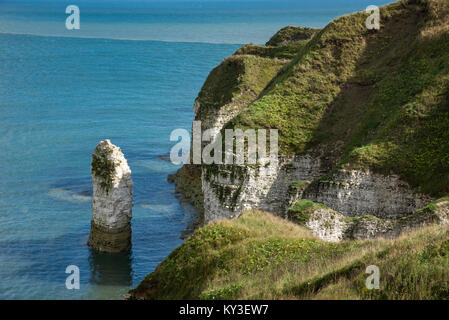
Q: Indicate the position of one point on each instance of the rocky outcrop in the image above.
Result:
(228, 190)
(188, 186)
(333, 226)
(361, 192)
(112, 200)
(239, 79)
(354, 204)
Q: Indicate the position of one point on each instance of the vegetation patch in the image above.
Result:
(103, 167)
(291, 34)
(300, 212)
(298, 186)
(226, 293)
(288, 51)
(237, 80)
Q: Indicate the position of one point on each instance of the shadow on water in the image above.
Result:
(44, 261)
(110, 269)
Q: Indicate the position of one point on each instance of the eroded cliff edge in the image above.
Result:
(363, 119)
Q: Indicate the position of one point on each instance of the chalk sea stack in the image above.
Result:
(112, 200)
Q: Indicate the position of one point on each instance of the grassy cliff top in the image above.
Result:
(240, 78)
(260, 256)
(367, 98)
(291, 34)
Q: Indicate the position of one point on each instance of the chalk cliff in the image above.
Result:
(112, 200)
(362, 118)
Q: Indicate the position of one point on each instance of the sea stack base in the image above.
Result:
(113, 241)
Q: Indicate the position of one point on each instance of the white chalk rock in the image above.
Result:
(112, 200)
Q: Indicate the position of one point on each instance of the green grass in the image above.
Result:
(238, 79)
(259, 256)
(284, 45)
(291, 34)
(300, 212)
(288, 51)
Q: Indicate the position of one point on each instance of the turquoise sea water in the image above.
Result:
(62, 92)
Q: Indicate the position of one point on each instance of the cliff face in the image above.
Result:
(333, 226)
(230, 189)
(363, 117)
(230, 88)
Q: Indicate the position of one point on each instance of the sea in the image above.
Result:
(130, 74)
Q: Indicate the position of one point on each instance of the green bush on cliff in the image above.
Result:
(291, 34)
(285, 44)
(288, 51)
(103, 167)
(300, 212)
